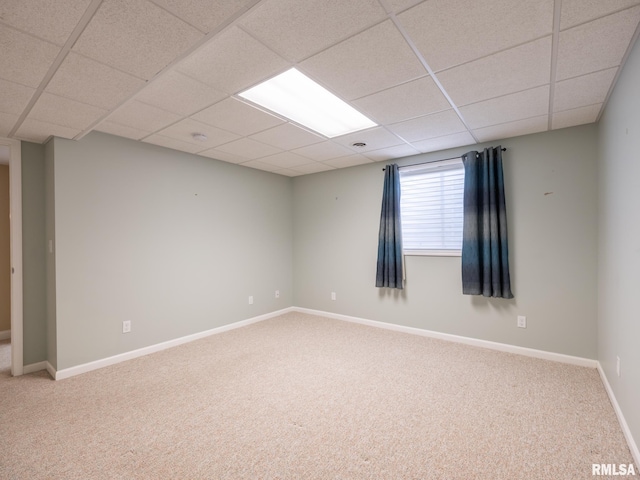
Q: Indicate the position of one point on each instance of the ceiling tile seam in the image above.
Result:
(555, 40)
(428, 68)
(515, 92)
(577, 108)
(511, 122)
(497, 52)
(177, 17)
(74, 100)
(633, 41)
(575, 77)
(265, 45)
(16, 83)
(386, 89)
(53, 68)
(586, 22)
(223, 27)
(99, 62)
(30, 34)
(318, 52)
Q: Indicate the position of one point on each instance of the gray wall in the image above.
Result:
(33, 254)
(619, 241)
(173, 242)
(551, 195)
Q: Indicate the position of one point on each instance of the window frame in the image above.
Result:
(433, 166)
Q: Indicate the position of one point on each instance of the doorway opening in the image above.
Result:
(10, 154)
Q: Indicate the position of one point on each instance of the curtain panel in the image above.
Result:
(485, 252)
(390, 260)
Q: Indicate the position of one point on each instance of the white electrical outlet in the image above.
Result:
(126, 326)
(251, 300)
(277, 293)
(333, 295)
(618, 365)
(522, 321)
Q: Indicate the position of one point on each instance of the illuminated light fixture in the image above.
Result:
(298, 98)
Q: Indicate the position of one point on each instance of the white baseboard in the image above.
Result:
(34, 367)
(503, 347)
(633, 446)
(5, 335)
(105, 362)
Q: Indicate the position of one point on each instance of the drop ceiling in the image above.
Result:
(432, 74)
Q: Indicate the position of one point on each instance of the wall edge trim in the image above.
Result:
(502, 347)
(633, 446)
(123, 357)
(34, 367)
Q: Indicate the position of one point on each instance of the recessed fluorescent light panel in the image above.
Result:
(298, 98)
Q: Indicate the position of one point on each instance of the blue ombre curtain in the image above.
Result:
(390, 270)
(485, 254)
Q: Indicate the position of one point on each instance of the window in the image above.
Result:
(431, 207)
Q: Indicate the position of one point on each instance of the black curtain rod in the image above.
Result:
(434, 161)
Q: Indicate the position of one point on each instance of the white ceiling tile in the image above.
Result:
(121, 130)
(185, 129)
(179, 94)
(247, 148)
(374, 60)
(23, 58)
(577, 116)
(288, 172)
(142, 116)
(38, 132)
(412, 99)
(513, 129)
(596, 45)
(284, 160)
(429, 126)
(232, 62)
(88, 81)
(517, 106)
(223, 156)
(447, 141)
(375, 139)
(7, 121)
(582, 91)
(452, 32)
(313, 167)
(135, 36)
(323, 151)
(575, 12)
(173, 143)
(391, 153)
(287, 137)
(528, 66)
(65, 112)
(259, 165)
(14, 97)
(397, 6)
(350, 161)
(237, 117)
(206, 15)
(52, 20)
(297, 29)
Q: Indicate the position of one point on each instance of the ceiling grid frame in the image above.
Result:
(338, 47)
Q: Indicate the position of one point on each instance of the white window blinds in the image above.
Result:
(432, 208)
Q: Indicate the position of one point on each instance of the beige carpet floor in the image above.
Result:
(305, 397)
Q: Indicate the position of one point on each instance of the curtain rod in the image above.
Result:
(435, 161)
